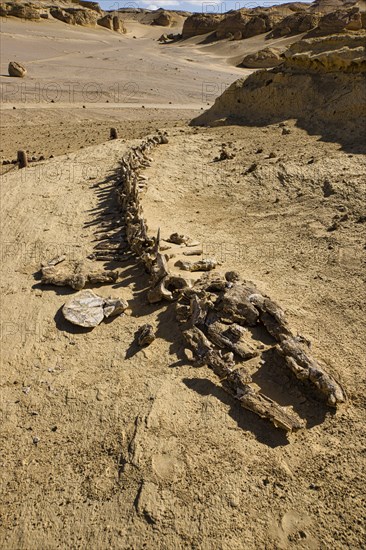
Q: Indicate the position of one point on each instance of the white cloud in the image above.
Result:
(200, 6)
(160, 4)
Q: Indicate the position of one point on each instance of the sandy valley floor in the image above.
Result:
(108, 446)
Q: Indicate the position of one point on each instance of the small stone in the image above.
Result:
(328, 189)
(176, 238)
(234, 501)
(286, 131)
(36, 440)
(145, 335)
(251, 168)
(189, 354)
(114, 306)
(16, 69)
(333, 227)
(232, 276)
(224, 154)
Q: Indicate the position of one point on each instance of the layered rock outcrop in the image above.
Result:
(321, 83)
(86, 14)
(75, 16)
(282, 20)
(23, 11)
(333, 53)
(91, 5)
(246, 23)
(164, 19)
(201, 23)
(263, 59)
(112, 22)
(340, 20)
(295, 23)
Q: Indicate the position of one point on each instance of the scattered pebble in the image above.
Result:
(145, 335)
(328, 189)
(251, 168)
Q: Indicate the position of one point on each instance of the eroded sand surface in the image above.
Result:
(106, 445)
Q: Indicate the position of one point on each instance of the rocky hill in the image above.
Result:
(283, 20)
(86, 14)
(90, 14)
(321, 83)
(160, 17)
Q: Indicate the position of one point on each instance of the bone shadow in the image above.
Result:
(279, 383)
(262, 429)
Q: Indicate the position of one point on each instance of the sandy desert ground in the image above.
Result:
(117, 79)
(88, 80)
(105, 445)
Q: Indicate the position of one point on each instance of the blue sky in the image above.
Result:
(202, 6)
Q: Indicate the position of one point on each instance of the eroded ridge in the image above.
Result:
(217, 313)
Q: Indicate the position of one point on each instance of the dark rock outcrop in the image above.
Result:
(201, 23)
(164, 19)
(340, 20)
(23, 11)
(263, 59)
(295, 23)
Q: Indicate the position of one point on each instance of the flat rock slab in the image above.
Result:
(87, 309)
(84, 309)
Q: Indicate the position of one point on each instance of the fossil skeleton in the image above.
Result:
(216, 313)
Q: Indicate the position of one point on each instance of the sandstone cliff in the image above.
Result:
(321, 83)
